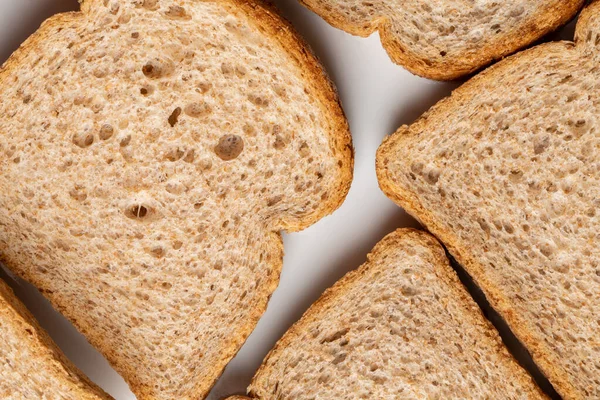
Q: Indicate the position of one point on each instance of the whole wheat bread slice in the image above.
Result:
(31, 365)
(447, 39)
(402, 326)
(505, 173)
(151, 151)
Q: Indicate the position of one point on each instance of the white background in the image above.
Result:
(377, 96)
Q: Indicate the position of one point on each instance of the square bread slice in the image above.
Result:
(31, 365)
(150, 153)
(402, 326)
(506, 173)
(447, 39)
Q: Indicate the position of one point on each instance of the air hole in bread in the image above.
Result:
(279, 142)
(258, 100)
(175, 187)
(146, 90)
(114, 7)
(339, 358)
(156, 68)
(204, 87)
(177, 12)
(149, 4)
(190, 156)
(432, 176)
(226, 69)
(274, 200)
(157, 251)
(125, 140)
(304, 150)
(229, 147)
(174, 117)
(137, 211)
(150, 70)
(240, 71)
(196, 110)
(106, 132)
(333, 336)
(83, 140)
(249, 130)
(142, 296)
(78, 193)
(174, 154)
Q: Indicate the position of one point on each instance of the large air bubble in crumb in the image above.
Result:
(229, 147)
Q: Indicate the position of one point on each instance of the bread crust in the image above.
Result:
(60, 366)
(557, 13)
(267, 16)
(541, 352)
(267, 20)
(400, 237)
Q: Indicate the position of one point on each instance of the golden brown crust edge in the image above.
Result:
(87, 390)
(340, 142)
(455, 67)
(243, 332)
(340, 139)
(392, 240)
(540, 352)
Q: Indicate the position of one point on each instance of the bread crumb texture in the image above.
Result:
(446, 39)
(506, 172)
(151, 151)
(401, 326)
(31, 365)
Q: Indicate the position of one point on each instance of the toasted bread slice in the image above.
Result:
(505, 173)
(447, 39)
(401, 326)
(31, 365)
(151, 153)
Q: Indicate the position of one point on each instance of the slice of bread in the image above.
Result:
(447, 39)
(505, 172)
(151, 152)
(31, 365)
(401, 326)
